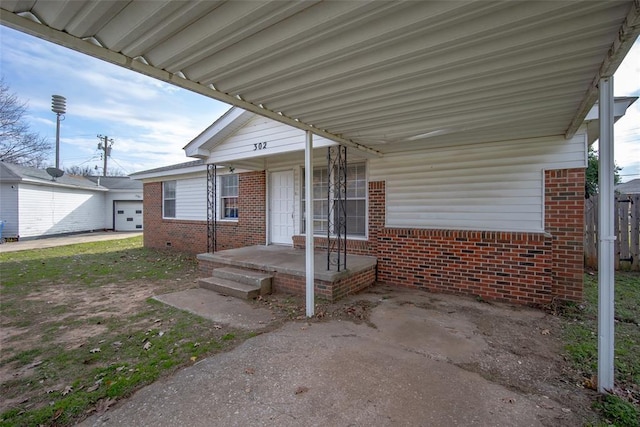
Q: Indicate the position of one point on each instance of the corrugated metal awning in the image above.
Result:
(390, 76)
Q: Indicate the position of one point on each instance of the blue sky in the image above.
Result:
(150, 121)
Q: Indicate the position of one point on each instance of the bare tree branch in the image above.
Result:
(18, 144)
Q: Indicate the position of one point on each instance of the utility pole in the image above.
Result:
(105, 144)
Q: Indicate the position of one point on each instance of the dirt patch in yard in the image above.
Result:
(71, 306)
(120, 298)
(68, 316)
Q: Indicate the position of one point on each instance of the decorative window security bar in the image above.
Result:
(212, 200)
(337, 207)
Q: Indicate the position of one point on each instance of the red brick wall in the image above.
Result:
(354, 246)
(191, 236)
(564, 220)
(529, 268)
(493, 265)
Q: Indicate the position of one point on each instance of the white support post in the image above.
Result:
(309, 252)
(606, 238)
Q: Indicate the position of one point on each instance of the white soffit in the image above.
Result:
(376, 76)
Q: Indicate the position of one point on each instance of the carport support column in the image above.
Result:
(308, 191)
(606, 238)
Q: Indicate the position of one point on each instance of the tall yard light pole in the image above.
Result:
(58, 106)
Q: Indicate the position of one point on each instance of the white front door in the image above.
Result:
(281, 207)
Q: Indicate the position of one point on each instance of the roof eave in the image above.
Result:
(627, 34)
(52, 183)
(141, 176)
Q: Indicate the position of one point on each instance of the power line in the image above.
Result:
(121, 167)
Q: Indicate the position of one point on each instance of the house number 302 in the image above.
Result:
(259, 146)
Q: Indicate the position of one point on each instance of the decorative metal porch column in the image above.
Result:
(212, 201)
(337, 207)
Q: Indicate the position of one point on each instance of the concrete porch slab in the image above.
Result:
(287, 260)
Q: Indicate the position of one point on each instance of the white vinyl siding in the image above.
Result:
(9, 209)
(496, 186)
(191, 198)
(263, 137)
(48, 210)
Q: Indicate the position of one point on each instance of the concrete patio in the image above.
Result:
(409, 364)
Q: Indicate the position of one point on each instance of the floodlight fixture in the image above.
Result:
(58, 106)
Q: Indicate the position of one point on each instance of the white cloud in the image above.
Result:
(626, 81)
(43, 120)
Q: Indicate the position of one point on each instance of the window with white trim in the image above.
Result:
(356, 200)
(229, 196)
(169, 199)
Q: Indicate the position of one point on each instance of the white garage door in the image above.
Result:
(128, 216)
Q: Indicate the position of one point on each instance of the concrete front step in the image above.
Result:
(237, 282)
(248, 277)
(230, 287)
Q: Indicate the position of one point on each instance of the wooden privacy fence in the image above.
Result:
(626, 228)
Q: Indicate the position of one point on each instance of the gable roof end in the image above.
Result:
(225, 126)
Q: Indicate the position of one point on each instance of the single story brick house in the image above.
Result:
(466, 119)
(502, 220)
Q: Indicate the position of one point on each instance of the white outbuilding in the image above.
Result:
(33, 205)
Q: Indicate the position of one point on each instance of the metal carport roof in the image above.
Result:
(382, 76)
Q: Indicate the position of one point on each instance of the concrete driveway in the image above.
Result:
(70, 239)
(409, 364)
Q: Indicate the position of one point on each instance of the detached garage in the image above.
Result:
(32, 204)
